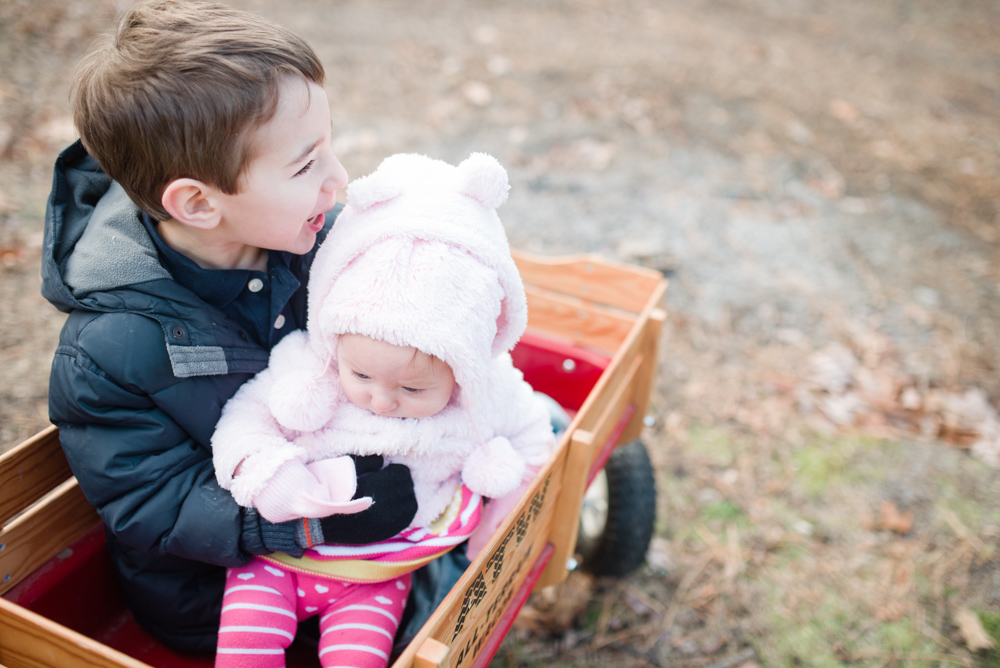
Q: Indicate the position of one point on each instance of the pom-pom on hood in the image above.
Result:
(418, 257)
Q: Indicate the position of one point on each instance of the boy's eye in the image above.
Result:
(360, 376)
(305, 169)
(411, 390)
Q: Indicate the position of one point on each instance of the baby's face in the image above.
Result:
(394, 381)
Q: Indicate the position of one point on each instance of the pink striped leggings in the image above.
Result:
(263, 603)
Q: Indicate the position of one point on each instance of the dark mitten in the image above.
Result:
(365, 464)
(391, 489)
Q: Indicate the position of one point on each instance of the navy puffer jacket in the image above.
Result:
(138, 381)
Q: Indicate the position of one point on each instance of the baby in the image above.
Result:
(414, 304)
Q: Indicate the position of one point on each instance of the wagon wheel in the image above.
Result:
(619, 509)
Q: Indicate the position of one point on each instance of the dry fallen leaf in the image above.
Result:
(555, 607)
(971, 628)
(844, 111)
(10, 255)
(892, 518)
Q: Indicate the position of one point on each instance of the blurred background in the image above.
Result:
(820, 181)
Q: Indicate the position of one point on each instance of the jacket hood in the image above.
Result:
(419, 258)
(94, 237)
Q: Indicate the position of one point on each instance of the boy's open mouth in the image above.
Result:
(316, 222)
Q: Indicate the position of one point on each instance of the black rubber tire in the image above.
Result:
(621, 547)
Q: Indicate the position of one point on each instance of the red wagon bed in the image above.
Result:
(591, 345)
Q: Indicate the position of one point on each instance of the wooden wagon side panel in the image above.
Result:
(28, 640)
(469, 614)
(576, 321)
(29, 471)
(42, 531)
(642, 384)
(590, 278)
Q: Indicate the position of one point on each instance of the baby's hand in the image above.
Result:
(340, 478)
(296, 490)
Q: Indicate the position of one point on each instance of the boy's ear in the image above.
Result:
(192, 202)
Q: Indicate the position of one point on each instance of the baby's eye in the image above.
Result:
(360, 376)
(306, 168)
(411, 390)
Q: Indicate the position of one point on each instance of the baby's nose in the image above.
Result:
(382, 401)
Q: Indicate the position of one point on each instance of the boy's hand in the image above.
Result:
(393, 508)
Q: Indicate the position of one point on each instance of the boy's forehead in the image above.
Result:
(300, 122)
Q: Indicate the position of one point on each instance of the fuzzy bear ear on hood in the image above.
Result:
(481, 177)
(366, 192)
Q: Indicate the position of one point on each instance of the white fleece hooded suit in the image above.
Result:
(418, 258)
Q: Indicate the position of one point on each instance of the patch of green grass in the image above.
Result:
(823, 635)
(590, 617)
(817, 468)
(825, 463)
(789, 554)
(971, 513)
(714, 444)
(991, 624)
(724, 511)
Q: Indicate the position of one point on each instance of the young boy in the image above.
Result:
(179, 234)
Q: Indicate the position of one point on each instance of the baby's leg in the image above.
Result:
(359, 626)
(258, 617)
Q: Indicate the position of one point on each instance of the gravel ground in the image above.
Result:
(806, 173)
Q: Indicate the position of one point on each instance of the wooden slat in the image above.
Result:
(43, 531)
(642, 385)
(616, 405)
(584, 324)
(585, 445)
(566, 516)
(590, 277)
(30, 470)
(28, 640)
(432, 654)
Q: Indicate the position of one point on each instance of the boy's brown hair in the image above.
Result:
(178, 90)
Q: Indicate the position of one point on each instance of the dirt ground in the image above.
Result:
(818, 179)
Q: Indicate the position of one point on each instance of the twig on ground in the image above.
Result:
(620, 636)
(965, 534)
(735, 659)
(678, 599)
(890, 658)
(868, 275)
(646, 655)
(655, 606)
(605, 617)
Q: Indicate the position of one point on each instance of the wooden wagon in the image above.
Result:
(591, 345)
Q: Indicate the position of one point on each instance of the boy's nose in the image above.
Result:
(336, 178)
